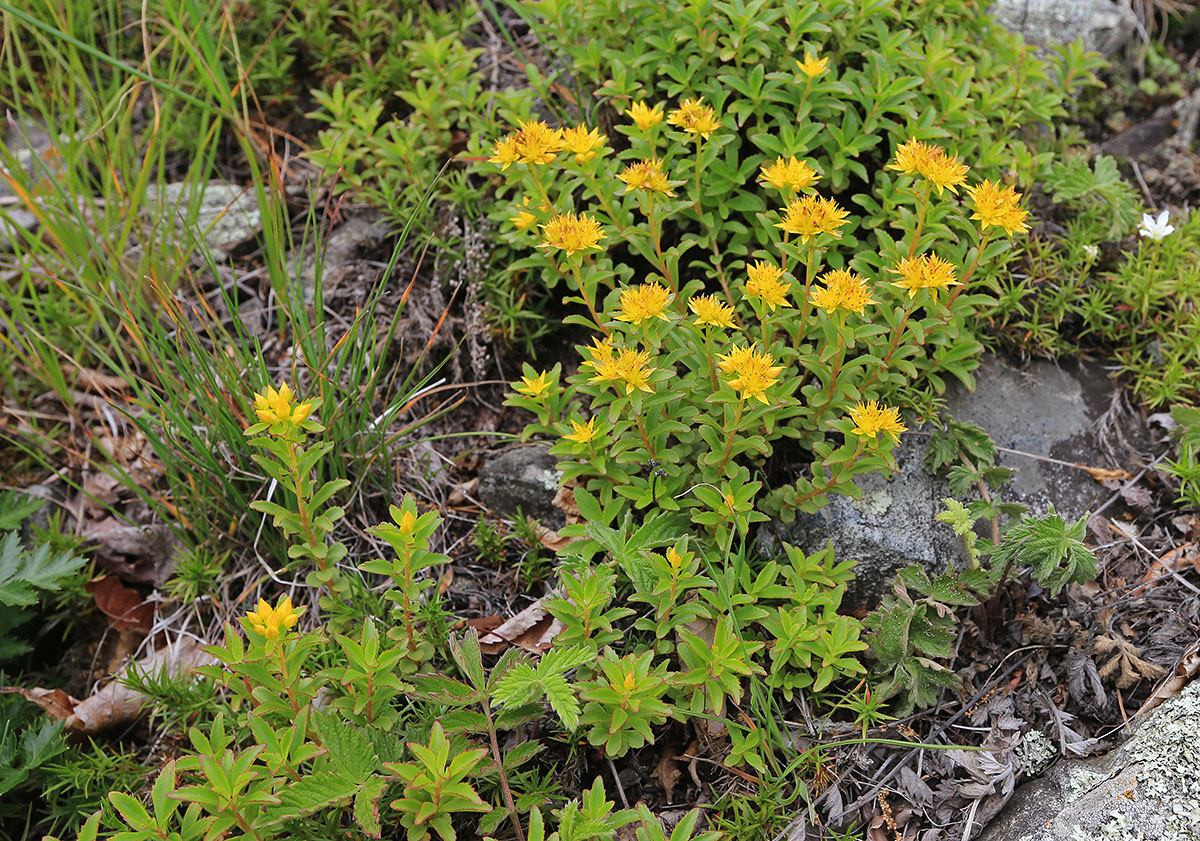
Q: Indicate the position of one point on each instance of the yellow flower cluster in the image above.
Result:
(645, 117)
(627, 366)
(843, 289)
(787, 174)
(765, 282)
(584, 143)
(999, 206)
(711, 311)
(646, 174)
(808, 216)
(532, 143)
(694, 117)
(572, 233)
(925, 272)
(870, 419)
(642, 302)
(274, 622)
(753, 371)
(274, 407)
(945, 172)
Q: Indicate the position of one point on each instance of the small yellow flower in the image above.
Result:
(931, 162)
(870, 419)
(812, 66)
(523, 219)
(925, 272)
(808, 216)
(843, 289)
(584, 143)
(643, 302)
(601, 360)
(764, 281)
(537, 143)
(645, 117)
(408, 522)
(630, 681)
(711, 311)
(572, 233)
(632, 367)
(646, 175)
(274, 622)
(787, 174)
(582, 433)
(505, 152)
(674, 559)
(694, 117)
(999, 206)
(754, 372)
(737, 358)
(274, 407)
(535, 387)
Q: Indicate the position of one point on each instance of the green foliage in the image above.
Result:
(435, 787)
(1053, 549)
(906, 634)
(15, 507)
(1186, 466)
(1096, 193)
(24, 576)
(1135, 309)
(523, 684)
(408, 534)
(624, 701)
(22, 754)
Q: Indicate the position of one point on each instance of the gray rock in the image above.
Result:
(1046, 411)
(340, 249)
(1148, 789)
(524, 477)
(891, 527)
(224, 215)
(32, 150)
(1104, 26)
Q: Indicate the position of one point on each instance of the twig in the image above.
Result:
(617, 779)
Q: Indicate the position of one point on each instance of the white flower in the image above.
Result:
(1156, 229)
(1091, 251)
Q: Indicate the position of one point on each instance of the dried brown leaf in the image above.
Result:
(533, 629)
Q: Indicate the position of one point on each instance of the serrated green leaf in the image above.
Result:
(350, 751)
(366, 806)
(312, 793)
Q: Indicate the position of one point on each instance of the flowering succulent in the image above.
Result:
(810, 216)
(812, 66)
(944, 171)
(273, 622)
(998, 206)
(275, 407)
(694, 117)
(693, 371)
(788, 174)
(571, 233)
(764, 282)
(645, 117)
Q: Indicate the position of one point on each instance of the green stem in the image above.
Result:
(699, 143)
(730, 431)
(921, 214)
(293, 464)
(508, 798)
(588, 299)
